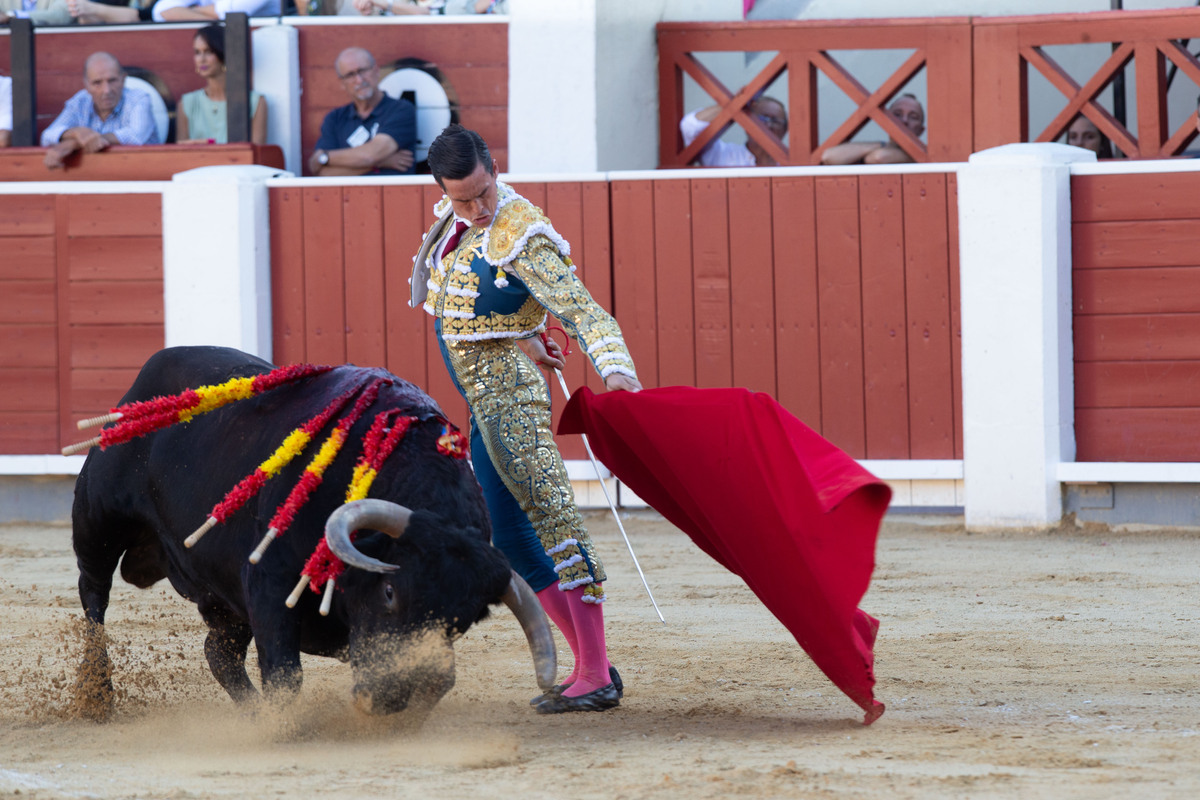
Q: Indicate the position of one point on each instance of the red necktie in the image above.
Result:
(452, 241)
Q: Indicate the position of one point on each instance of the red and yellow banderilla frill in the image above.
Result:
(146, 416)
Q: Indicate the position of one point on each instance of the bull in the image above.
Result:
(421, 571)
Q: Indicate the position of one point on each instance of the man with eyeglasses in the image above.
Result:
(767, 110)
(373, 134)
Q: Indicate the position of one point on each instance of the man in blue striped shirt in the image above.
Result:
(103, 113)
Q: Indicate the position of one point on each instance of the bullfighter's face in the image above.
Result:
(474, 198)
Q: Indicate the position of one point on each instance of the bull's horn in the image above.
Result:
(379, 515)
(528, 611)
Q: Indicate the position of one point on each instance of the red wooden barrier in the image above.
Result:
(1136, 316)
(942, 47)
(144, 163)
(861, 307)
(1005, 48)
(976, 79)
(842, 301)
(80, 309)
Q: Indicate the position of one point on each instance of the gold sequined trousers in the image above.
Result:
(510, 403)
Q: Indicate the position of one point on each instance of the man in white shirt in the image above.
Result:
(727, 154)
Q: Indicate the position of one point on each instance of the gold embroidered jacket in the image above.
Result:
(501, 280)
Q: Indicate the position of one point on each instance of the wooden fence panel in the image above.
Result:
(843, 412)
(1136, 304)
(324, 275)
(676, 311)
(885, 354)
(636, 284)
(408, 330)
(596, 248)
(563, 204)
(711, 282)
(362, 246)
(797, 319)
(288, 321)
(110, 299)
(930, 339)
(29, 395)
(955, 311)
(752, 289)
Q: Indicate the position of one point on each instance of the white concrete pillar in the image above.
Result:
(217, 258)
(552, 86)
(276, 69)
(1017, 374)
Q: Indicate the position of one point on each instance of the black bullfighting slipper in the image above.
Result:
(613, 675)
(602, 699)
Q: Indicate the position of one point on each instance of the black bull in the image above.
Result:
(136, 502)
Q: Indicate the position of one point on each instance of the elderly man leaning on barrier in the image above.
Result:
(908, 111)
(103, 113)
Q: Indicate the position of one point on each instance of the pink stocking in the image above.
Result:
(557, 608)
(592, 656)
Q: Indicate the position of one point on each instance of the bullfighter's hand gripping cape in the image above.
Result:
(767, 497)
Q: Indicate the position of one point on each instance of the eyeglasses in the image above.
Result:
(767, 119)
(356, 74)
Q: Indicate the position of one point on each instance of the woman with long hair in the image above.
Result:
(202, 115)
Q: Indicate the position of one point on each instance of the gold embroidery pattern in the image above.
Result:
(550, 280)
(511, 404)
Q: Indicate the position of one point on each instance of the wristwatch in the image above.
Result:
(322, 158)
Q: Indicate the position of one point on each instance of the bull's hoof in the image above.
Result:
(613, 675)
(602, 699)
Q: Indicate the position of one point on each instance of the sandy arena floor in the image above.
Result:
(1018, 666)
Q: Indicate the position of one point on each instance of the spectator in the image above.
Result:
(409, 7)
(103, 113)
(1083, 133)
(6, 113)
(208, 10)
(98, 12)
(907, 109)
(371, 135)
(40, 12)
(726, 154)
(201, 115)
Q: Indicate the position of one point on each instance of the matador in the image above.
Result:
(490, 271)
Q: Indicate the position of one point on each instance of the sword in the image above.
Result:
(611, 505)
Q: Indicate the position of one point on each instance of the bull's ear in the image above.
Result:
(381, 515)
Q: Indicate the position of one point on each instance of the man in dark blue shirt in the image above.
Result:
(374, 134)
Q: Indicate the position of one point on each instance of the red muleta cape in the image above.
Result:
(763, 494)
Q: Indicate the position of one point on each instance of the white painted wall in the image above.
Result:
(552, 86)
(583, 81)
(276, 53)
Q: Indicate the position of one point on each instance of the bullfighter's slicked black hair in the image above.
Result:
(456, 152)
